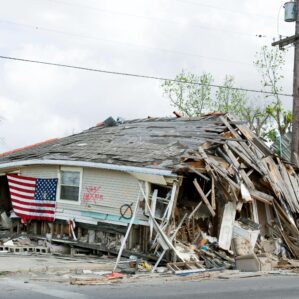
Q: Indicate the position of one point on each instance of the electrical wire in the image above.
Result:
(223, 9)
(278, 16)
(155, 19)
(137, 75)
(182, 1)
(123, 43)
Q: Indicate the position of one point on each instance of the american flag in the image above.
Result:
(33, 198)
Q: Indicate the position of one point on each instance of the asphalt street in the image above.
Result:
(258, 287)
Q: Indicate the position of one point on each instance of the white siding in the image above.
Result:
(43, 172)
(115, 188)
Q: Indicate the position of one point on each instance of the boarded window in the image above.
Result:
(70, 185)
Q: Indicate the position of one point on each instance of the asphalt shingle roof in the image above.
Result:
(152, 142)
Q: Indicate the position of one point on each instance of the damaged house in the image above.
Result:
(204, 189)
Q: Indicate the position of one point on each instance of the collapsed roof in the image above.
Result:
(236, 165)
(153, 142)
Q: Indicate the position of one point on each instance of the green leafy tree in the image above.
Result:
(256, 116)
(229, 99)
(264, 115)
(189, 99)
(196, 99)
(269, 63)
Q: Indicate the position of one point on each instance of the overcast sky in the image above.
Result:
(156, 37)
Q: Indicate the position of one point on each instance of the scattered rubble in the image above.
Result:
(234, 205)
(245, 212)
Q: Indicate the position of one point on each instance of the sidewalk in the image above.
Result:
(49, 263)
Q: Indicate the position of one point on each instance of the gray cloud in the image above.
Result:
(146, 37)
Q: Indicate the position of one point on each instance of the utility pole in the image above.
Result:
(295, 126)
(282, 43)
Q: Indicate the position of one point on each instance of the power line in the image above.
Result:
(172, 22)
(277, 22)
(123, 43)
(225, 9)
(138, 75)
(157, 19)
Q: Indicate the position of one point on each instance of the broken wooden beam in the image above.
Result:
(213, 198)
(262, 197)
(204, 198)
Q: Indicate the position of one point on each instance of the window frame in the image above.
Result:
(149, 189)
(73, 169)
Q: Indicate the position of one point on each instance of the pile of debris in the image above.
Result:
(245, 212)
(226, 200)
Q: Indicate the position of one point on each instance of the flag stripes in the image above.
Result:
(33, 198)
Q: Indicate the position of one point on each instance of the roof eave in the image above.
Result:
(124, 168)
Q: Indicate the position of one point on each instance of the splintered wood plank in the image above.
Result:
(221, 172)
(207, 161)
(199, 165)
(294, 182)
(245, 130)
(209, 192)
(294, 249)
(200, 174)
(233, 191)
(235, 148)
(286, 178)
(204, 198)
(270, 177)
(277, 182)
(194, 211)
(262, 197)
(220, 161)
(227, 224)
(239, 206)
(247, 180)
(213, 198)
(231, 129)
(153, 209)
(284, 217)
(293, 185)
(288, 189)
(255, 211)
(241, 144)
(178, 185)
(231, 156)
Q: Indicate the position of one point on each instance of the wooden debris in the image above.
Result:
(204, 198)
(195, 210)
(226, 230)
(213, 199)
(238, 180)
(185, 267)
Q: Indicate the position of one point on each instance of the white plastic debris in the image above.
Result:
(87, 272)
(9, 243)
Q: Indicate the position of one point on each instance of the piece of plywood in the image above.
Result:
(153, 209)
(227, 224)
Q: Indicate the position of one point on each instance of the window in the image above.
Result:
(70, 185)
(162, 200)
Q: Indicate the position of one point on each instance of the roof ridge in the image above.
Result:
(28, 146)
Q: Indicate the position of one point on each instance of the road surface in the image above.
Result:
(258, 287)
